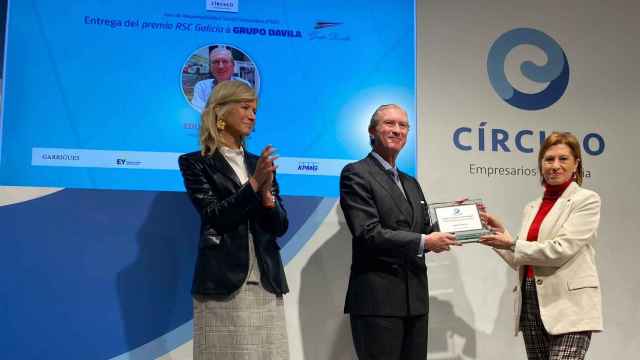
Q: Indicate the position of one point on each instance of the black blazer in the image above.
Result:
(387, 278)
(228, 211)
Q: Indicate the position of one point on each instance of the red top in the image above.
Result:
(551, 195)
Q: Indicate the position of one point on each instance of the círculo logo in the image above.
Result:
(555, 72)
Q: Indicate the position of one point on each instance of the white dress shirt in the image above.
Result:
(235, 158)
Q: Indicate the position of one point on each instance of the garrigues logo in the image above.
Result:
(555, 72)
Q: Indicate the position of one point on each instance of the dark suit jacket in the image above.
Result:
(388, 278)
(228, 211)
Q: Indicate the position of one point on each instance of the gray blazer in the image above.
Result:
(387, 278)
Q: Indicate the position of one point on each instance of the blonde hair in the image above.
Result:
(223, 96)
(566, 138)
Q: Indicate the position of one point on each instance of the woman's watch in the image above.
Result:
(513, 246)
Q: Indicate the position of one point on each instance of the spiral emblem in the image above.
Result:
(555, 72)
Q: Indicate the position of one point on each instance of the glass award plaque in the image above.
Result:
(459, 218)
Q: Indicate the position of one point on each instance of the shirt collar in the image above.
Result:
(384, 163)
(231, 152)
(555, 191)
(214, 81)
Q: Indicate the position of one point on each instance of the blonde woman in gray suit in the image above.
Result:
(558, 300)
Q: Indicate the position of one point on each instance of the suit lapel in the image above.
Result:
(532, 209)
(220, 163)
(548, 228)
(412, 196)
(250, 161)
(550, 221)
(384, 179)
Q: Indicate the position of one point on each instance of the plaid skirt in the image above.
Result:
(248, 325)
(540, 345)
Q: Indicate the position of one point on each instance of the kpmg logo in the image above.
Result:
(311, 166)
(222, 5)
(555, 72)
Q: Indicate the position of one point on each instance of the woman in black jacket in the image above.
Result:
(239, 278)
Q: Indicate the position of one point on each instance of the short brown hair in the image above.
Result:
(566, 138)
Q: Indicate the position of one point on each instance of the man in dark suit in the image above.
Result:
(386, 211)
